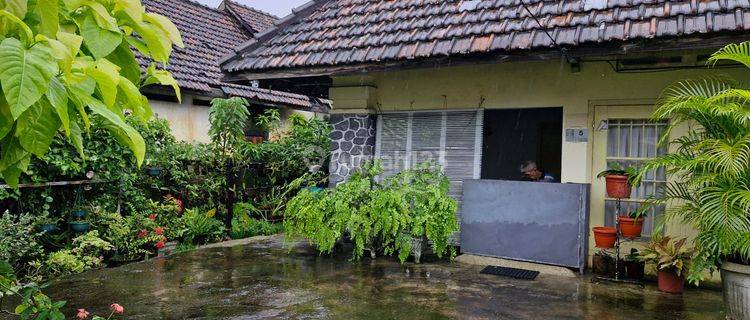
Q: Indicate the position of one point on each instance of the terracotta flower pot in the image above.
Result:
(631, 228)
(635, 269)
(617, 186)
(670, 282)
(605, 237)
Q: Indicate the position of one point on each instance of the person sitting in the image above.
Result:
(531, 172)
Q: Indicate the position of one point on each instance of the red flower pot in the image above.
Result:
(605, 237)
(631, 228)
(670, 282)
(617, 186)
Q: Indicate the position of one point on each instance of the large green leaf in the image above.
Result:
(124, 58)
(17, 7)
(24, 73)
(58, 97)
(107, 76)
(100, 42)
(169, 28)
(153, 36)
(163, 77)
(37, 127)
(133, 8)
(134, 100)
(49, 21)
(124, 133)
(10, 19)
(76, 138)
(6, 118)
(14, 161)
(101, 16)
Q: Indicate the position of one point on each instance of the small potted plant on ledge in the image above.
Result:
(618, 180)
(631, 225)
(672, 259)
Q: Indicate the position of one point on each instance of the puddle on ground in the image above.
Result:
(263, 280)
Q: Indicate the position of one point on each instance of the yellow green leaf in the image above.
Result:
(107, 77)
(101, 42)
(169, 28)
(49, 21)
(58, 97)
(163, 77)
(36, 127)
(24, 73)
(101, 16)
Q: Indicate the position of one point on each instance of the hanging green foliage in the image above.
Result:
(63, 62)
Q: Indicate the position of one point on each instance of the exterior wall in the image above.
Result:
(510, 85)
(352, 143)
(520, 85)
(188, 122)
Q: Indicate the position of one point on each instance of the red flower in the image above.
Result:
(152, 217)
(82, 314)
(160, 245)
(159, 230)
(116, 308)
(142, 233)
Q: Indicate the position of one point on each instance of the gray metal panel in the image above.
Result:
(529, 221)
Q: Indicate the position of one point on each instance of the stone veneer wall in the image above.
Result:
(352, 143)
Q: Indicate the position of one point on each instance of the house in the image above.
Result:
(480, 86)
(209, 34)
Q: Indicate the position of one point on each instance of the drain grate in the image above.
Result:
(510, 272)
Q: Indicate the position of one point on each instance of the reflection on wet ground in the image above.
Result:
(263, 280)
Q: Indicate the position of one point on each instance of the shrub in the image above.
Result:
(87, 253)
(19, 241)
(245, 227)
(202, 227)
(411, 205)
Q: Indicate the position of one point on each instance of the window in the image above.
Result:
(631, 142)
(452, 139)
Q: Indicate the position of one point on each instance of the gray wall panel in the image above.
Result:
(529, 221)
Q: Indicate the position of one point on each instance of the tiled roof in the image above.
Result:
(350, 32)
(208, 34)
(255, 20)
(277, 97)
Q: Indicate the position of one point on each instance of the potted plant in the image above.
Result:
(602, 263)
(618, 180)
(631, 225)
(634, 266)
(78, 222)
(671, 259)
(46, 223)
(708, 174)
(605, 237)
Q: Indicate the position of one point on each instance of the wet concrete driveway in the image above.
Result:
(262, 280)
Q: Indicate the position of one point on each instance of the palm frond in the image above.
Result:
(737, 52)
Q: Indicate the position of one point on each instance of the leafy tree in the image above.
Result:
(228, 118)
(709, 186)
(65, 62)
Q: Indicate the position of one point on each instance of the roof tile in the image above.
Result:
(373, 30)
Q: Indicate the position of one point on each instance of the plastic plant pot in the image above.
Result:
(631, 228)
(79, 226)
(78, 213)
(605, 237)
(670, 282)
(47, 227)
(153, 171)
(617, 186)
